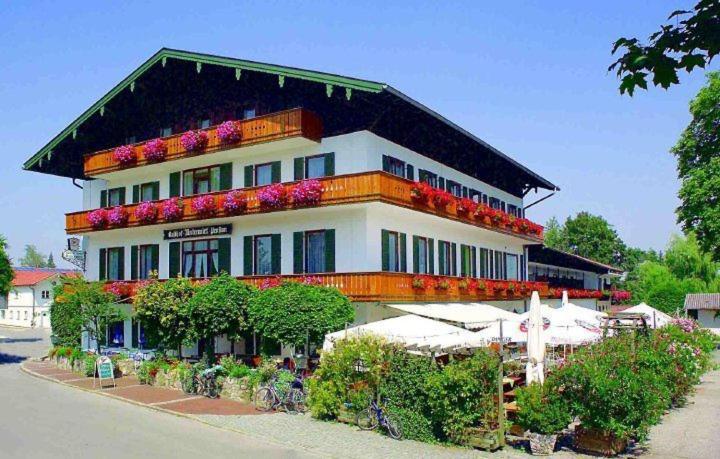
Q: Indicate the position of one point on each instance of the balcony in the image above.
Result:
(276, 126)
(396, 287)
(336, 190)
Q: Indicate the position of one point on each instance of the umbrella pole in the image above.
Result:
(501, 394)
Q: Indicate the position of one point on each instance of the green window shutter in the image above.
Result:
(225, 176)
(276, 172)
(385, 249)
(465, 192)
(121, 262)
(441, 183)
(453, 259)
(464, 254)
(330, 251)
(102, 264)
(135, 194)
(431, 256)
(134, 249)
(422, 175)
(329, 164)
(441, 257)
(174, 184)
(249, 176)
(416, 254)
(403, 252)
(224, 255)
(122, 196)
(386, 163)
(174, 268)
(410, 172)
(473, 261)
(103, 198)
(247, 256)
(276, 252)
(299, 165)
(298, 252)
(155, 256)
(155, 191)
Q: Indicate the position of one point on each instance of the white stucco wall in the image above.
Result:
(707, 319)
(23, 305)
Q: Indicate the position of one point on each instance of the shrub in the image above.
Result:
(233, 368)
(542, 408)
(194, 141)
(65, 315)
(89, 366)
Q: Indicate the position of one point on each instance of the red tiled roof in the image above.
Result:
(26, 277)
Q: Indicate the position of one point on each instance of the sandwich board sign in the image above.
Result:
(104, 370)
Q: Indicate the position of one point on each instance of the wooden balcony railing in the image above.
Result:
(282, 125)
(397, 287)
(336, 190)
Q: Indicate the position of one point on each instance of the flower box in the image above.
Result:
(441, 198)
(98, 218)
(204, 205)
(235, 203)
(194, 141)
(155, 150)
(229, 132)
(272, 196)
(118, 216)
(420, 282)
(125, 155)
(466, 206)
(598, 442)
(172, 209)
(442, 284)
(146, 212)
(306, 193)
(421, 192)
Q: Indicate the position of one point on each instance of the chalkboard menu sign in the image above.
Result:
(104, 370)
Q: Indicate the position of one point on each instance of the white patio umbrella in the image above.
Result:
(580, 315)
(654, 318)
(511, 332)
(535, 342)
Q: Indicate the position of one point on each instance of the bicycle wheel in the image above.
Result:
(366, 419)
(264, 399)
(189, 385)
(211, 389)
(297, 396)
(393, 429)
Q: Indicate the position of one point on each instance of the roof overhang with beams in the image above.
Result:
(552, 257)
(173, 87)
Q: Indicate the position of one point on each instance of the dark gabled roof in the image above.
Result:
(387, 112)
(702, 301)
(553, 257)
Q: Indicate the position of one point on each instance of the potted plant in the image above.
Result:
(229, 132)
(155, 150)
(235, 202)
(194, 141)
(98, 218)
(420, 282)
(306, 193)
(442, 284)
(118, 216)
(203, 205)
(441, 199)
(483, 212)
(146, 212)
(542, 412)
(421, 192)
(272, 196)
(172, 209)
(125, 155)
(466, 206)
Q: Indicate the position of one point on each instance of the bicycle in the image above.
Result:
(374, 416)
(203, 383)
(272, 396)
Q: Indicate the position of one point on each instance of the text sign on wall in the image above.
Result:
(198, 231)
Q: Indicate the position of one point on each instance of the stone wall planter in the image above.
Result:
(541, 445)
(238, 389)
(598, 442)
(478, 437)
(126, 367)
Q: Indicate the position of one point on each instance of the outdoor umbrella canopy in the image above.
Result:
(654, 318)
(535, 342)
(582, 316)
(511, 332)
(472, 316)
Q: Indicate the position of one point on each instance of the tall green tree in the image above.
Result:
(50, 261)
(589, 236)
(33, 258)
(698, 156)
(6, 271)
(689, 40)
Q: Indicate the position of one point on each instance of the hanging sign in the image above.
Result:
(104, 370)
(74, 254)
(198, 231)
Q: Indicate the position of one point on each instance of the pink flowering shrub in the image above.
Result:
(118, 216)
(270, 282)
(125, 155)
(119, 289)
(204, 205)
(98, 218)
(312, 280)
(155, 150)
(272, 196)
(686, 325)
(146, 212)
(194, 140)
(172, 209)
(306, 193)
(235, 202)
(229, 132)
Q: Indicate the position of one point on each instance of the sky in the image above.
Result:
(530, 78)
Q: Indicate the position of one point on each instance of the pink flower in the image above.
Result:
(229, 132)
(235, 202)
(118, 216)
(119, 289)
(172, 209)
(272, 196)
(312, 280)
(270, 282)
(306, 193)
(686, 325)
(194, 140)
(204, 205)
(155, 150)
(98, 218)
(125, 155)
(146, 212)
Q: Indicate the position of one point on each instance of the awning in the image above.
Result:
(472, 316)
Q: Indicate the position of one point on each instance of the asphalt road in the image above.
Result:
(41, 419)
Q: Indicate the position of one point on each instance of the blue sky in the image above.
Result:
(530, 78)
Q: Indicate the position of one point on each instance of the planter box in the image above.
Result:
(478, 437)
(598, 442)
(238, 389)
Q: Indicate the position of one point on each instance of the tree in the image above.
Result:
(33, 258)
(692, 41)
(587, 235)
(219, 308)
(50, 261)
(6, 271)
(698, 156)
(162, 309)
(65, 313)
(685, 260)
(553, 235)
(292, 312)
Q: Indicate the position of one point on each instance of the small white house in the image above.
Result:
(705, 308)
(28, 302)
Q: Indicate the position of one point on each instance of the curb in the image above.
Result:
(165, 410)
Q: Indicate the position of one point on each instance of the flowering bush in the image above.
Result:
(194, 140)
(118, 216)
(125, 155)
(421, 192)
(441, 198)
(272, 196)
(686, 325)
(146, 212)
(466, 206)
(229, 132)
(98, 218)
(311, 280)
(119, 289)
(306, 193)
(172, 209)
(271, 282)
(620, 296)
(155, 150)
(203, 205)
(235, 202)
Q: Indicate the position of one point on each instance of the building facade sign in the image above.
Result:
(198, 231)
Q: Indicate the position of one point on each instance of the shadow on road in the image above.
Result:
(9, 358)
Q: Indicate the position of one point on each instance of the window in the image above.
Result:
(446, 258)
(468, 261)
(166, 131)
(112, 263)
(262, 255)
(393, 247)
(454, 188)
(484, 263)
(116, 334)
(315, 252)
(314, 166)
(428, 177)
(198, 181)
(130, 139)
(263, 174)
(393, 166)
(25, 315)
(421, 263)
(146, 192)
(495, 203)
(511, 267)
(200, 258)
(249, 113)
(393, 252)
(115, 197)
(204, 124)
(45, 294)
(145, 259)
(499, 265)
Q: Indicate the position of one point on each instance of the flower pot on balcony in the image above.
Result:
(541, 445)
(598, 442)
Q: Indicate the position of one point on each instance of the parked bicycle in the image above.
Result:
(374, 416)
(275, 395)
(203, 383)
